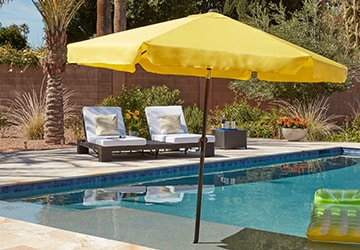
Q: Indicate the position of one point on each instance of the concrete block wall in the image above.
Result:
(344, 103)
(92, 85)
(15, 79)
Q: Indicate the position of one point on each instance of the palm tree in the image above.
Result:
(119, 15)
(57, 16)
(103, 20)
(351, 18)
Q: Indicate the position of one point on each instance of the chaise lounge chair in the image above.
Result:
(105, 132)
(167, 125)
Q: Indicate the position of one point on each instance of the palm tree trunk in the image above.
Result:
(54, 117)
(119, 15)
(103, 19)
(54, 66)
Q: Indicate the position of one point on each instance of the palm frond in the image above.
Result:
(57, 14)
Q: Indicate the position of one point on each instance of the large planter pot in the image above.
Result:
(294, 134)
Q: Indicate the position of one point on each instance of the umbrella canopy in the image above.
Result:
(206, 45)
(191, 45)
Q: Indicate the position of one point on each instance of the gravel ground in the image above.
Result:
(11, 140)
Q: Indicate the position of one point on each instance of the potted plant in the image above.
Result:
(132, 118)
(293, 128)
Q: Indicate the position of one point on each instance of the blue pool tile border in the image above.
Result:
(87, 182)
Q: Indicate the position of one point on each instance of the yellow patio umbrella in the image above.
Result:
(208, 45)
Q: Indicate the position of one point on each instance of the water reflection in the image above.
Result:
(173, 190)
(113, 196)
(283, 170)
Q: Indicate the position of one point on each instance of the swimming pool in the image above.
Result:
(274, 198)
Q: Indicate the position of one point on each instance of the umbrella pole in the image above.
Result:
(202, 159)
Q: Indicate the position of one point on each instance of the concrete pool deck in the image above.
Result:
(39, 166)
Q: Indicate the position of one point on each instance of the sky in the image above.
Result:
(24, 11)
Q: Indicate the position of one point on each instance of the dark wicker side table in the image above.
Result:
(230, 138)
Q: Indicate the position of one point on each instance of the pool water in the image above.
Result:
(274, 198)
(264, 199)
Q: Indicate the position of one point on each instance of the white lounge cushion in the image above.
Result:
(91, 117)
(181, 138)
(154, 116)
(107, 141)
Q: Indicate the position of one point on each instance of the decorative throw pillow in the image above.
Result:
(107, 125)
(170, 124)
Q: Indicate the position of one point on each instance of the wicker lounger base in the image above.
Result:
(105, 153)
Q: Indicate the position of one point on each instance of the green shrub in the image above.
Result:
(9, 55)
(259, 130)
(241, 112)
(194, 118)
(355, 124)
(347, 135)
(264, 126)
(350, 131)
(214, 118)
(137, 98)
(258, 123)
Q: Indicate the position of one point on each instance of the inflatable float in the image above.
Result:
(335, 216)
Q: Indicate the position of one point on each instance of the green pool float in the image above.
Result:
(335, 216)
